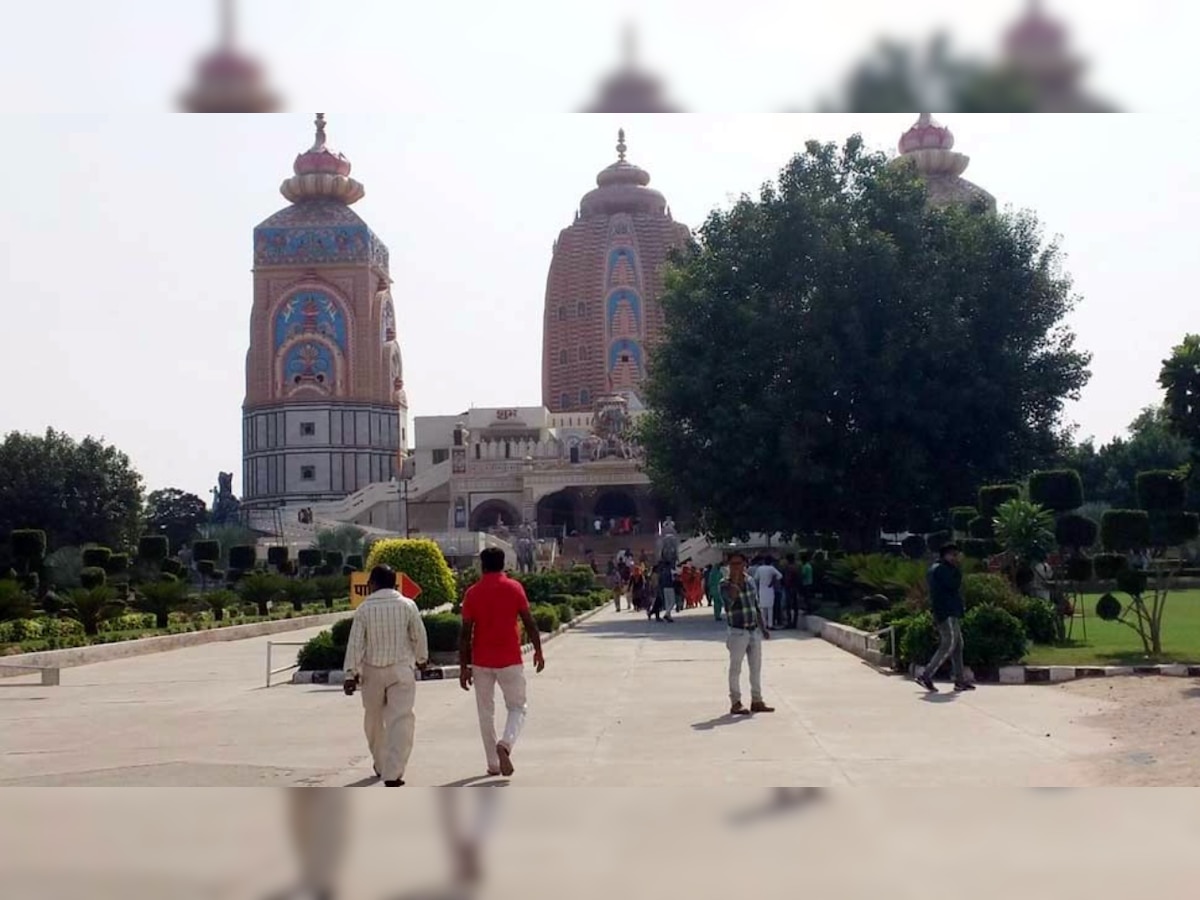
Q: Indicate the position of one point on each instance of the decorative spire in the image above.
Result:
(629, 46)
(226, 81)
(621, 144)
(228, 24)
(319, 141)
(322, 173)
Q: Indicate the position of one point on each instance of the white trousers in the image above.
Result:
(389, 694)
(512, 685)
(742, 645)
(768, 613)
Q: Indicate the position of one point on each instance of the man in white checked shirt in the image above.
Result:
(386, 641)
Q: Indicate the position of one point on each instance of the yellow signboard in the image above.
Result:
(358, 588)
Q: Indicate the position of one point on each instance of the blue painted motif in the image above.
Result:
(310, 313)
(614, 256)
(624, 346)
(615, 299)
(288, 246)
(309, 363)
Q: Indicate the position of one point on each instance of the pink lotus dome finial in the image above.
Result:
(926, 134)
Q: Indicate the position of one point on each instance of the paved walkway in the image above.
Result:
(623, 702)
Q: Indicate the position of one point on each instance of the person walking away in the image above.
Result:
(791, 591)
(806, 583)
(386, 641)
(745, 633)
(489, 654)
(946, 601)
(715, 576)
(767, 576)
(614, 582)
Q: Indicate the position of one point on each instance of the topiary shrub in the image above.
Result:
(92, 577)
(206, 567)
(992, 637)
(1039, 618)
(916, 638)
(1108, 608)
(920, 520)
(961, 518)
(546, 618)
(566, 612)
(277, 556)
(1173, 529)
(1132, 581)
(581, 580)
(1076, 532)
(992, 497)
(1161, 491)
(96, 557)
(309, 558)
(935, 541)
(982, 528)
(1058, 490)
(355, 561)
(243, 557)
(14, 602)
(206, 550)
(1107, 565)
(172, 566)
(914, 546)
(321, 654)
(830, 542)
(1080, 568)
(986, 589)
(1122, 530)
(974, 548)
(335, 559)
(341, 631)
(423, 562)
(153, 548)
(444, 630)
(118, 564)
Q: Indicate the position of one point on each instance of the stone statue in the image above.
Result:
(611, 432)
(525, 548)
(226, 509)
(668, 543)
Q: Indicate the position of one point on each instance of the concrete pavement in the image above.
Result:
(623, 702)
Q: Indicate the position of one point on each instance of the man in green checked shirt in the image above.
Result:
(747, 631)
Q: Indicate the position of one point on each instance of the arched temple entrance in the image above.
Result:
(492, 513)
(615, 504)
(559, 511)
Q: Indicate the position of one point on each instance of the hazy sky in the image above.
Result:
(125, 248)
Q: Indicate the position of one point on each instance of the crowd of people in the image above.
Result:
(784, 589)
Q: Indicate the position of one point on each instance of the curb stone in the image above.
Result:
(865, 647)
(435, 673)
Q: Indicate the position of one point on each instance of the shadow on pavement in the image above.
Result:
(689, 625)
(719, 721)
(939, 698)
(479, 781)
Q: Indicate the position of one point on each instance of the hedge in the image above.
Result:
(914, 546)
(992, 497)
(309, 558)
(1080, 568)
(117, 564)
(355, 561)
(153, 548)
(566, 612)
(962, 516)
(982, 528)
(1058, 490)
(277, 556)
(444, 630)
(992, 637)
(206, 550)
(1122, 530)
(937, 540)
(243, 557)
(92, 577)
(1161, 491)
(1076, 531)
(28, 546)
(96, 557)
(423, 562)
(546, 617)
(1173, 529)
(1107, 565)
(335, 559)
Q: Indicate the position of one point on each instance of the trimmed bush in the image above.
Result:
(14, 602)
(1058, 490)
(206, 567)
(206, 550)
(581, 580)
(443, 630)
(935, 541)
(974, 548)
(982, 528)
(153, 548)
(1173, 529)
(1076, 532)
(321, 654)
(921, 520)
(92, 577)
(914, 546)
(986, 589)
(309, 558)
(961, 518)
(1132, 581)
(96, 557)
(341, 631)
(243, 557)
(1039, 618)
(1122, 530)
(1108, 608)
(28, 546)
(566, 612)
(335, 559)
(1080, 568)
(277, 556)
(1161, 491)
(172, 566)
(355, 561)
(1107, 565)
(992, 497)
(423, 562)
(118, 564)
(546, 617)
(830, 542)
(992, 638)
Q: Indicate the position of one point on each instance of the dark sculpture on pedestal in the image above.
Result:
(226, 509)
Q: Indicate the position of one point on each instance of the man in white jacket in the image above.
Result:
(386, 641)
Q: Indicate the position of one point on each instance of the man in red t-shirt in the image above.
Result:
(489, 653)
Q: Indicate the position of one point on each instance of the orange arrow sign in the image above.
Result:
(408, 587)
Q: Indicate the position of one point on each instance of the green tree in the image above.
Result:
(1180, 378)
(78, 492)
(422, 561)
(345, 539)
(838, 352)
(91, 606)
(176, 514)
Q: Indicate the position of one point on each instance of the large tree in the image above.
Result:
(1180, 377)
(838, 353)
(75, 491)
(176, 514)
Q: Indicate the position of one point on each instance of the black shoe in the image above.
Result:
(397, 783)
(960, 686)
(926, 682)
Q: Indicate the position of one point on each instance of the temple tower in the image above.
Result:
(930, 147)
(228, 81)
(325, 411)
(602, 315)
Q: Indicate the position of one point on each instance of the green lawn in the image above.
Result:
(1114, 644)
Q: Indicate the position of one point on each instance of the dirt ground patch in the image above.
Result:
(1153, 723)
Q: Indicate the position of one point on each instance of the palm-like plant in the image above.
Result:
(15, 603)
(1025, 530)
(261, 588)
(219, 601)
(91, 606)
(161, 598)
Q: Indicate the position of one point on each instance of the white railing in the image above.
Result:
(272, 672)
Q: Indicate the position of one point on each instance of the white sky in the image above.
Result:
(125, 248)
